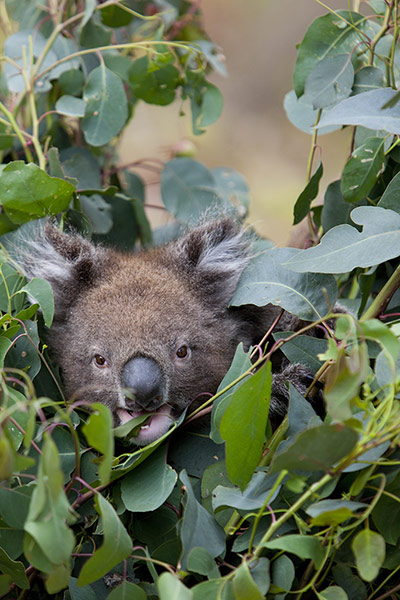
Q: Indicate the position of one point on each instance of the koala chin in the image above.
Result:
(151, 332)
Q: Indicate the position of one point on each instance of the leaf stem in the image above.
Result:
(18, 132)
(382, 299)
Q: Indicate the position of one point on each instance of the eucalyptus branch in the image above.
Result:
(384, 28)
(18, 132)
(381, 301)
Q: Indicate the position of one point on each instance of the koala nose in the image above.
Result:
(143, 376)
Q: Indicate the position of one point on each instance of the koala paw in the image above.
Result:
(301, 377)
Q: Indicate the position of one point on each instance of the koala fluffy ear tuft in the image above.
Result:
(68, 262)
(214, 255)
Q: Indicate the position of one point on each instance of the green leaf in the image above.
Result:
(149, 485)
(243, 426)
(330, 35)
(71, 106)
(330, 81)
(233, 188)
(302, 349)
(240, 364)
(253, 497)
(335, 210)
(244, 586)
(198, 527)
(41, 292)
(282, 573)
(302, 115)
(152, 83)
(187, 189)
(390, 197)
(367, 79)
(171, 587)
(201, 561)
(344, 248)
(267, 280)
(304, 546)
(363, 169)
(316, 449)
(127, 591)
(72, 81)
(206, 107)
(14, 505)
(80, 593)
(310, 192)
(333, 512)
(5, 345)
(117, 544)
(366, 109)
(333, 592)
(114, 16)
(28, 193)
(49, 510)
(98, 432)
(23, 354)
(369, 551)
(352, 585)
(103, 92)
(14, 569)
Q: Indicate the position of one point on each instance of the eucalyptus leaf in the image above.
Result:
(303, 546)
(369, 551)
(363, 169)
(117, 544)
(98, 432)
(103, 91)
(367, 109)
(267, 280)
(243, 426)
(310, 192)
(344, 248)
(330, 81)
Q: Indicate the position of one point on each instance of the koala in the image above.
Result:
(156, 322)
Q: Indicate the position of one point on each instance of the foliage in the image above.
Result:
(310, 508)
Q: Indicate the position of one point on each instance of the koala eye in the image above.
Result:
(100, 361)
(182, 352)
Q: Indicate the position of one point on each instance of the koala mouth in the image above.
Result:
(158, 423)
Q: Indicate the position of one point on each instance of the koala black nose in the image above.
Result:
(143, 376)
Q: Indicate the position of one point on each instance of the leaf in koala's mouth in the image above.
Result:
(143, 428)
(130, 424)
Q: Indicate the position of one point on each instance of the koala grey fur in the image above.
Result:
(156, 321)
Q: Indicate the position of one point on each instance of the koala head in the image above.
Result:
(144, 333)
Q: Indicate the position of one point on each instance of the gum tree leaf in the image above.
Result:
(333, 512)
(282, 571)
(316, 449)
(267, 281)
(253, 496)
(208, 109)
(198, 527)
(28, 193)
(201, 561)
(171, 587)
(243, 426)
(344, 248)
(329, 35)
(362, 170)
(310, 192)
(155, 84)
(367, 79)
(333, 592)
(71, 106)
(149, 485)
(41, 292)
(117, 544)
(98, 432)
(366, 109)
(330, 81)
(188, 188)
(49, 510)
(303, 546)
(240, 364)
(244, 586)
(103, 92)
(127, 591)
(390, 197)
(302, 114)
(14, 569)
(302, 349)
(369, 551)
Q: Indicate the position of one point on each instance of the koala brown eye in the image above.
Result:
(182, 352)
(100, 360)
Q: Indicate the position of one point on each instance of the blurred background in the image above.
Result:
(253, 135)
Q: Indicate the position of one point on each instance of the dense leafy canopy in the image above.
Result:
(311, 508)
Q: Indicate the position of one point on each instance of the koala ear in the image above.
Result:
(68, 262)
(214, 256)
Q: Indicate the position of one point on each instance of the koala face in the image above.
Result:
(148, 333)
